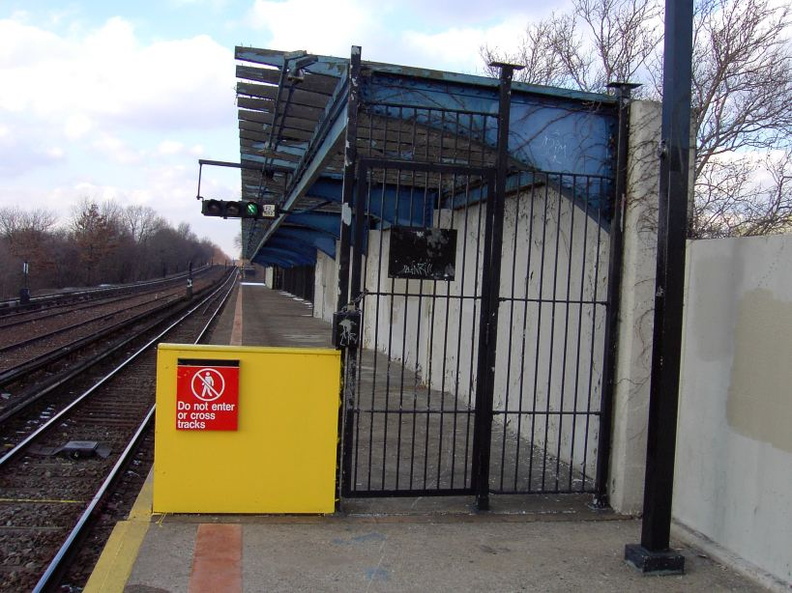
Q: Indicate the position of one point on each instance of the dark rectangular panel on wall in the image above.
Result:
(422, 253)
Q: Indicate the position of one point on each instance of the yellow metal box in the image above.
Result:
(245, 429)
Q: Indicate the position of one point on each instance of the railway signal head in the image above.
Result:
(236, 209)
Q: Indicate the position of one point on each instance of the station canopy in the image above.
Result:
(294, 111)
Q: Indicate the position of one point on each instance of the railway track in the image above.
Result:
(53, 300)
(37, 353)
(65, 452)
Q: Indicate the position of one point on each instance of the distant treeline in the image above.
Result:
(98, 244)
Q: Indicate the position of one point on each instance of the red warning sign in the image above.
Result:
(207, 394)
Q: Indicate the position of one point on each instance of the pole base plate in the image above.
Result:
(667, 562)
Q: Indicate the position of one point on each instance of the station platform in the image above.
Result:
(535, 543)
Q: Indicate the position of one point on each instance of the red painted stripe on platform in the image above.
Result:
(217, 563)
(236, 329)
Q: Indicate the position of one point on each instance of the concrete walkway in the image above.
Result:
(532, 543)
(441, 551)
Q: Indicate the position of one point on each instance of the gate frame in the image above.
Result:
(488, 321)
(349, 277)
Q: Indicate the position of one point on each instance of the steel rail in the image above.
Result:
(55, 567)
(75, 326)
(62, 554)
(44, 427)
(11, 307)
(12, 374)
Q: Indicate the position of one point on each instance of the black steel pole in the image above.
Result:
(348, 187)
(654, 554)
(488, 327)
(347, 239)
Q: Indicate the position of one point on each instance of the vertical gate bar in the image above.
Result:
(521, 413)
(367, 180)
(348, 365)
(589, 347)
(428, 380)
(418, 335)
(389, 375)
(354, 353)
(491, 292)
(482, 419)
(370, 184)
(592, 344)
(552, 345)
(567, 308)
(444, 360)
(375, 362)
(460, 317)
(430, 349)
(468, 411)
(348, 183)
(540, 310)
(579, 346)
(472, 407)
(623, 94)
(420, 298)
(506, 400)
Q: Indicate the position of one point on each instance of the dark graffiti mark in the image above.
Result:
(346, 329)
(422, 254)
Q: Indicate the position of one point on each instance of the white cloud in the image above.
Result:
(315, 25)
(459, 49)
(109, 76)
(77, 125)
(443, 34)
(116, 150)
(99, 113)
(24, 147)
(170, 147)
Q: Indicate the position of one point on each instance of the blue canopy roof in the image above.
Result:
(293, 121)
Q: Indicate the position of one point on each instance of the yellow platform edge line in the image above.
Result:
(232, 350)
(236, 328)
(115, 564)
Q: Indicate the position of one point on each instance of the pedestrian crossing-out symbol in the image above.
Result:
(208, 384)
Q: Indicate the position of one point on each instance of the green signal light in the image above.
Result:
(251, 209)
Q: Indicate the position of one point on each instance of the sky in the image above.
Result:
(106, 100)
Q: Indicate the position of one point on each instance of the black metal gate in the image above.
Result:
(432, 404)
(481, 357)
(410, 423)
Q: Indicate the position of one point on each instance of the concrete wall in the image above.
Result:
(550, 347)
(549, 355)
(636, 321)
(325, 286)
(733, 479)
(269, 276)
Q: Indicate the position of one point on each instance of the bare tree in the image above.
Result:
(25, 236)
(142, 222)
(100, 243)
(99, 234)
(741, 92)
(15, 221)
(743, 197)
(601, 41)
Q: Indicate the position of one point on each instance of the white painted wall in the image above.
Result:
(325, 286)
(269, 276)
(549, 356)
(636, 318)
(733, 481)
